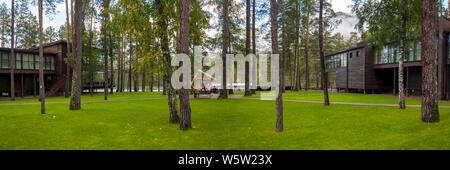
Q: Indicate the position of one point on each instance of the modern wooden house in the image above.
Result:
(27, 70)
(374, 69)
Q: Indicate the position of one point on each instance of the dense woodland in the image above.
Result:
(130, 41)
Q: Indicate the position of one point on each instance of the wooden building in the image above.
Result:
(26, 73)
(374, 69)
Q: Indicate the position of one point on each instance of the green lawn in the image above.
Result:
(95, 97)
(219, 124)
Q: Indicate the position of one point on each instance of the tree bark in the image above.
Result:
(75, 99)
(322, 57)
(41, 61)
(430, 108)
(91, 73)
(307, 48)
(254, 36)
(247, 50)
(401, 85)
(225, 43)
(163, 26)
(12, 57)
(105, 46)
(130, 61)
(185, 107)
(112, 63)
(274, 36)
(68, 54)
(283, 55)
(296, 55)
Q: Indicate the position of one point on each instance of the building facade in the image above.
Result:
(26, 73)
(374, 69)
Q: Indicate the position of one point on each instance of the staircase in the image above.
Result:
(58, 85)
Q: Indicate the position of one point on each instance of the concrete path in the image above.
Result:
(214, 96)
(99, 101)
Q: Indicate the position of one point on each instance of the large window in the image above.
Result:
(390, 54)
(28, 61)
(336, 61)
(18, 61)
(4, 60)
(49, 63)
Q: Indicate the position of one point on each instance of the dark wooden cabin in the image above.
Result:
(374, 69)
(26, 73)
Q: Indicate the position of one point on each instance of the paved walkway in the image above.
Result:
(214, 96)
(98, 101)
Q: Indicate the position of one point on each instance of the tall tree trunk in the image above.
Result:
(105, 46)
(143, 78)
(119, 67)
(151, 82)
(225, 43)
(322, 57)
(274, 35)
(283, 53)
(41, 61)
(75, 99)
(247, 50)
(12, 56)
(130, 62)
(307, 48)
(430, 108)
(185, 107)
(254, 37)
(296, 55)
(68, 54)
(401, 85)
(122, 69)
(111, 63)
(172, 98)
(136, 77)
(91, 73)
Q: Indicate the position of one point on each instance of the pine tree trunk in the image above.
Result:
(283, 53)
(129, 64)
(143, 79)
(75, 99)
(163, 27)
(247, 50)
(254, 37)
(274, 35)
(430, 108)
(12, 56)
(135, 73)
(307, 48)
(296, 51)
(225, 43)
(112, 63)
(68, 54)
(41, 62)
(151, 82)
(91, 73)
(322, 57)
(185, 107)
(105, 46)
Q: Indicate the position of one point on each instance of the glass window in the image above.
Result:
(18, 61)
(49, 63)
(36, 62)
(4, 60)
(27, 61)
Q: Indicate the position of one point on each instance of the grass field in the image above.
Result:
(219, 124)
(349, 97)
